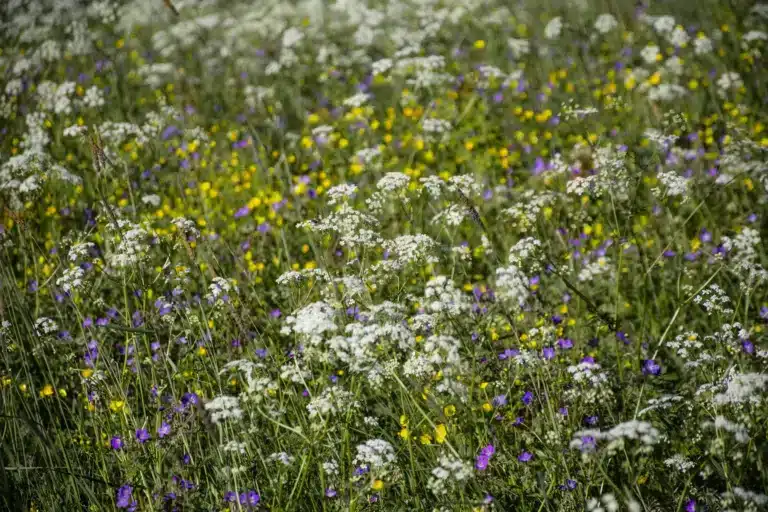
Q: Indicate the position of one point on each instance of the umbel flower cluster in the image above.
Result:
(431, 255)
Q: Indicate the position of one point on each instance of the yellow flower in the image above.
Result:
(404, 433)
(403, 420)
(440, 433)
(425, 439)
(116, 405)
(46, 391)
(479, 44)
(377, 485)
(487, 407)
(449, 410)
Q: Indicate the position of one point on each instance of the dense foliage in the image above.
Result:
(411, 255)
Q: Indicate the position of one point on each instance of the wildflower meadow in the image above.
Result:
(368, 255)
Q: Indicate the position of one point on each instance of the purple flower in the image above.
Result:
(622, 336)
(563, 411)
(690, 506)
(588, 443)
(123, 498)
(142, 435)
(242, 212)
(230, 497)
(565, 343)
(116, 443)
(748, 347)
(591, 420)
(527, 397)
(481, 462)
(548, 353)
(508, 353)
(500, 400)
(525, 457)
(330, 493)
(163, 430)
(188, 399)
(651, 367)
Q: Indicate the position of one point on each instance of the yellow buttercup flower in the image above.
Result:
(440, 433)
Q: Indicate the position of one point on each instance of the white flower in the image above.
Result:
(151, 199)
(650, 53)
(702, 45)
(223, 408)
(341, 193)
(45, 325)
(357, 100)
(729, 80)
(664, 24)
(282, 457)
(680, 463)
(553, 28)
(331, 402)
(377, 454)
(743, 388)
(679, 37)
(605, 23)
(71, 279)
(519, 47)
(311, 322)
(393, 182)
(450, 470)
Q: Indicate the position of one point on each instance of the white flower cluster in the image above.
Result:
(449, 472)
(186, 227)
(311, 322)
(451, 216)
(352, 226)
(45, 325)
(442, 296)
(742, 388)
(606, 503)
(527, 208)
(341, 193)
(71, 279)
(331, 402)
(512, 285)
(680, 463)
(375, 454)
(714, 300)
(753, 500)
(674, 184)
(132, 246)
(739, 431)
(587, 373)
(745, 244)
(634, 430)
(218, 288)
(282, 457)
(605, 23)
(223, 408)
(258, 386)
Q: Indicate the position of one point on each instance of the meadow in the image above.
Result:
(407, 255)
